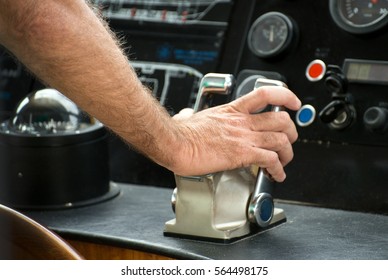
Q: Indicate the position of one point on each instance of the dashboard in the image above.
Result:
(331, 53)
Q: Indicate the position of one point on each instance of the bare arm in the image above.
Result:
(68, 47)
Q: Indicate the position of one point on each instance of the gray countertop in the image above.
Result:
(135, 219)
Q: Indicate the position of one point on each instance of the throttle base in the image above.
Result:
(213, 207)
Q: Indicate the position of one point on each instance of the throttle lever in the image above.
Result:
(261, 206)
(213, 83)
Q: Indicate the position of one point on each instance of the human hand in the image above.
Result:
(231, 136)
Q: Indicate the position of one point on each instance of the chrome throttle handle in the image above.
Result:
(261, 205)
(211, 84)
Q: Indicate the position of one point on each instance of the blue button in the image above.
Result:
(266, 209)
(306, 115)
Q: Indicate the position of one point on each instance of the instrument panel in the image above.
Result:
(336, 64)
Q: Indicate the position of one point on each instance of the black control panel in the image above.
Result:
(332, 54)
(171, 43)
(341, 74)
(15, 83)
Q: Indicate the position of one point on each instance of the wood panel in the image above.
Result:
(93, 251)
(22, 238)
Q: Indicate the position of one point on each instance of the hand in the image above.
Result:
(231, 136)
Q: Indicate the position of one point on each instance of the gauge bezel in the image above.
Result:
(283, 46)
(343, 23)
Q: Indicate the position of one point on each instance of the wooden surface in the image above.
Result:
(22, 238)
(93, 251)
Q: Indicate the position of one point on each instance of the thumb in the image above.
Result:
(184, 114)
(267, 95)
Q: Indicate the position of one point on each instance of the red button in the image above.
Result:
(316, 70)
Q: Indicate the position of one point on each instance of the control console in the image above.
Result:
(332, 55)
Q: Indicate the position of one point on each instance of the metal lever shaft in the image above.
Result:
(261, 206)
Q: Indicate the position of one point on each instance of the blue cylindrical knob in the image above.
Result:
(261, 209)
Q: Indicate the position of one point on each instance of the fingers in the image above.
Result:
(275, 121)
(276, 133)
(277, 142)
(267, 95)
(231, 135)
(276, 172)
(270, 161)
(276, 129)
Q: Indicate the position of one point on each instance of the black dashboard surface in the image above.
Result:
(135, 219)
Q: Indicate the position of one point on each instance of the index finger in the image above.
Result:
(267, 95)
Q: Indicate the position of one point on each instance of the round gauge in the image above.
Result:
(271, 34)
(359, 16)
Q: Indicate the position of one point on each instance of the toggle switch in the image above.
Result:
(335, 80)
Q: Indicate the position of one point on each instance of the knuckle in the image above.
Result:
(272, 159)
(287, 158)
(239, 122)
(264, 92)
(277, 173)
(284, 117)
(276, 140)
(268, 139)
(294, 137)
(282, 139)
(290, 158)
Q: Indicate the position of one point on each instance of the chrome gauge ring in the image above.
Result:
(359, 16)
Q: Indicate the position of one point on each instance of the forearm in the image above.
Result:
(65, 45)
(68, 47)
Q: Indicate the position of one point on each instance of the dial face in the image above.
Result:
(270, 34)
(360, 16)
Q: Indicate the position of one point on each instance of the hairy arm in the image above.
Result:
(66, 45)
(70, 49)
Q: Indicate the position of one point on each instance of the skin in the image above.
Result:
(71, 49)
